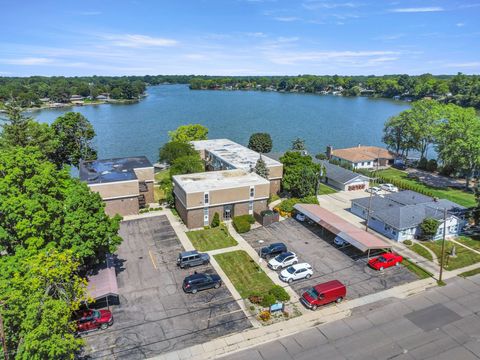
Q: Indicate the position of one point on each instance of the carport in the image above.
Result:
(362, 240)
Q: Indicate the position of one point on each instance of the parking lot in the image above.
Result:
(347, 264)
(155, 315)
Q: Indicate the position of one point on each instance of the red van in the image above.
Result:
(322, 294)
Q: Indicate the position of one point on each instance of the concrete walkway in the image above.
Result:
(432, 254)
(465, 246)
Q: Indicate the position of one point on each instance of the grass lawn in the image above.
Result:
(470, 273)
(456, 195)
(211, 239)
(247, 277)
(464, 256)
(325, 190)
(158, 191)
(162, 175)
(417, 270)
(421, 251)
(470, 241)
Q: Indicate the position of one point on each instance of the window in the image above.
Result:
(250, 207)
(205, 198)
(252, 192)
(205, 216)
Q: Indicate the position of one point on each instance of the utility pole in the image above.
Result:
(443, 244)
(368, 210)
(2, 336)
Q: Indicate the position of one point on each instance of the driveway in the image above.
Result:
(348, 265)
(155, 315)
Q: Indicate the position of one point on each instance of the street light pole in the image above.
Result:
(443, 244)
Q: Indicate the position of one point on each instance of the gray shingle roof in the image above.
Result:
(340, 174)
(408, 197)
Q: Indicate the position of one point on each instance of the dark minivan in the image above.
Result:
(272, 250)
(323, 294)
(187, 259)
(200, 281)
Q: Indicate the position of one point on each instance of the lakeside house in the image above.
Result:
(229, 187)
(125, 184)
(343, 179)
(362, 157)
(398, 215)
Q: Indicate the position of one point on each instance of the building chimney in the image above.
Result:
(329, 151)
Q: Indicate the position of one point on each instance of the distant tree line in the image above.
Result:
(460, 89)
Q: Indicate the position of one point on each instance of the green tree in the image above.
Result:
(39, 292)
(429, 227)
(458, 139)
(397, 134)
(216, 220)
(43, 207)
(175, 149)
(191, 132)
(74, 134)
(261, 168)
(300, 174)
(298, 144)
(260, 142)
(189, 164)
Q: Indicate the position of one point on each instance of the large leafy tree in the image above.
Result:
(397, 134)
(298, 144)
(260, 142)
(74, 134)
(39, 291)
(44, 207)
(175, 149)
(300, 174)
(458, 139)
(191, 132)
(189, 164)
(429, 227)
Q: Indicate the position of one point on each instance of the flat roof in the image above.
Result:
(238, 156)
(215, 180)
(363, 153)
(359, 238)
(111, 170)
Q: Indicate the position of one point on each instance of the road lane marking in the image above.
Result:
(153, 260)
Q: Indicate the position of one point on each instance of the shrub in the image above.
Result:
(215, 220)
(243, 223)
(279, 293)
(321, 156)
(252, 308)
(447, 170)
(264, 315)
(255, 299)
(407, 242)
(432, 165)
(429, 227)
(268, 300)
(422, 164)
(285, 208)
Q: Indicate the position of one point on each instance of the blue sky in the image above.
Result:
(239, 37)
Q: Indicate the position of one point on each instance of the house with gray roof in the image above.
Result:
(398, 215)
(343, 179)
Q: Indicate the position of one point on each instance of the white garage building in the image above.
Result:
(343, 179)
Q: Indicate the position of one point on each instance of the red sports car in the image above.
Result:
(385, 260)
(89, 320)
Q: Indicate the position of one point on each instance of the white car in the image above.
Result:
(339, 242)
(283, 260)
(373, 189)
(389, 187)
(296, 272)
(300, 217)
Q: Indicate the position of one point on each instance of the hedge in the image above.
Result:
(285, 208)
(243, 223)
(405, 185)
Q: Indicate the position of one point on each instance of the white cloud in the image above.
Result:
(286, 18)
(418, 9)
(137, 40)
(313, 5)
(474, 64)
(389, 37)
(460, 24)
(257, 34)
(28, 61)
(291, 58)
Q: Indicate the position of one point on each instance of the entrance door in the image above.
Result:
(227, 212)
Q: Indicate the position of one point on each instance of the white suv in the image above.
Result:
(296, 272)
(283, 260)
(389, 187)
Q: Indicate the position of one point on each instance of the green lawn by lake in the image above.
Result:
(456, 195)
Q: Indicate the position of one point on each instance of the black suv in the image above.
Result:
(201, 281)
(192, 258)
(272, 250)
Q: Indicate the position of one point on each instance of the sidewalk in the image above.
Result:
(253, 337)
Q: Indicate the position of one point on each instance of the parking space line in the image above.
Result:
(153, 260)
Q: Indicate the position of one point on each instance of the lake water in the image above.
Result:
(141, 128)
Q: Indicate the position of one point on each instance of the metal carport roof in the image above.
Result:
(359, 238)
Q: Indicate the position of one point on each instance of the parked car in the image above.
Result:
(201, 281)
(389, 187)
(272, 250)
(296, 272)
(322, 294)
(385, 261)
(88, 320)
(300, 217)
(283, 260)
(339, 241)
(187, 259)
(373, 189)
